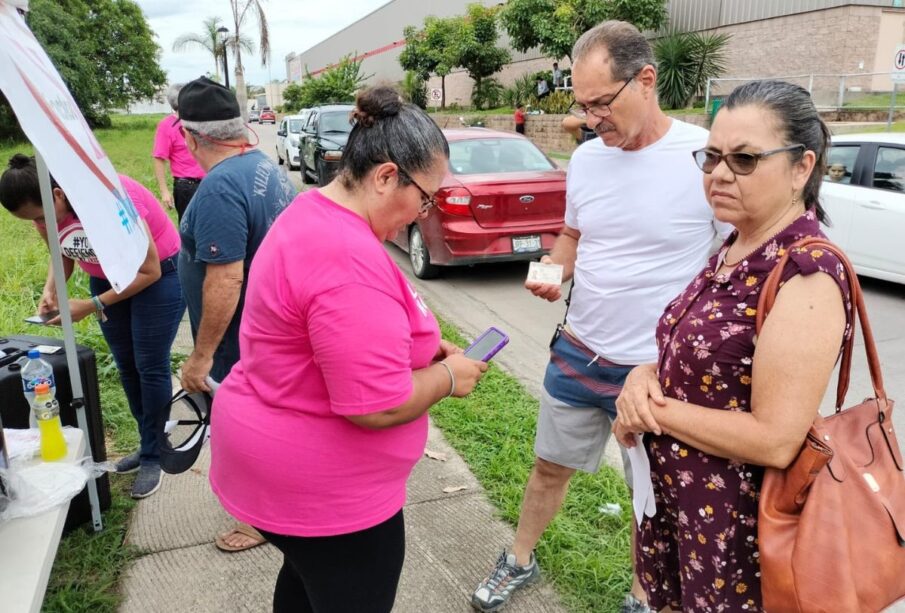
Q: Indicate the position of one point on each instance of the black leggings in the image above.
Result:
(347, 573)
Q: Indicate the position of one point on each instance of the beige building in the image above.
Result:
(813, 42)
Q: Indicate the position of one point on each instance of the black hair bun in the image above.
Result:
(376, 103)
(20, 160)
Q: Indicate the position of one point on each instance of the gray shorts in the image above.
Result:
(575, 436)
(577, 407)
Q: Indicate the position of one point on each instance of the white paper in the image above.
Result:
(643, 501)
(545, 273)
(49, 349)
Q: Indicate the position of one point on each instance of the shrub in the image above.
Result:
(685, 61)
(558, 102)
(414, 89)
(486, 94)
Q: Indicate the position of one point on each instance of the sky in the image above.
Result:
(295, 25)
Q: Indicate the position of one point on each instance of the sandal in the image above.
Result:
(243, 529)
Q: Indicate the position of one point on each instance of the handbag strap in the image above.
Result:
(768, 298)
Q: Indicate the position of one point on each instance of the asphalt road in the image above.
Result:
(476, 297)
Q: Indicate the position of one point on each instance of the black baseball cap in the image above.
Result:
(206, 100)
(182, 430)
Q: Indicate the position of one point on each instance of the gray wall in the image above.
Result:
(379, 28)
(692, 15)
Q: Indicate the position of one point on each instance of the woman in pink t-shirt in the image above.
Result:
(321, 421)
(169, 146)
(139, 324)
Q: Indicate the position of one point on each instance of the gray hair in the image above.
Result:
(629, 51)
(797, 121)
(221, 130)
(173, 95)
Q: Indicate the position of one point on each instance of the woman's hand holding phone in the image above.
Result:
(466, 371)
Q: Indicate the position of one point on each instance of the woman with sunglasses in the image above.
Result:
(139, 323)
(717, 407)
(322, 419)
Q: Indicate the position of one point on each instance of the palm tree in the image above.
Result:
(209, 40)
(241, 10)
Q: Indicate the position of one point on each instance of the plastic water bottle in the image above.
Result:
(46, 410)
(34, 372)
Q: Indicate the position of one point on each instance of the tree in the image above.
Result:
(685, 61)
(555, 25)
(292, 97)
(337, 83)
(477, 51)
(432, 50)
(209, 40)
(104, 51)
(241, 10)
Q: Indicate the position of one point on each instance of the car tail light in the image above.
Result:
(455, 201)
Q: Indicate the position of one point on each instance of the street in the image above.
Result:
(475, 297)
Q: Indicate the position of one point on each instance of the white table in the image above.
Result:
(28, 547)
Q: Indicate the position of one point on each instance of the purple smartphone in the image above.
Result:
(487, 345)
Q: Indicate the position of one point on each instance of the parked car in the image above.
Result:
(289, 139)
(864, 196)
(501, 200)
(325, 138)
(267, 115)
(254, 116)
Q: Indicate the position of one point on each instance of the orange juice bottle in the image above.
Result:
(47, 411)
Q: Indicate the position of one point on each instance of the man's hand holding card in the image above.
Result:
(545, 279)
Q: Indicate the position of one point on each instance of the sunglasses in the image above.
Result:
(740, 163)
(427, 201)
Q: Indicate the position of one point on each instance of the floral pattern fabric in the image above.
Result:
(700, 552)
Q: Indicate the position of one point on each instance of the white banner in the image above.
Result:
(53, 123)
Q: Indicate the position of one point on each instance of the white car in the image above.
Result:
(288, 139)
(864, 195)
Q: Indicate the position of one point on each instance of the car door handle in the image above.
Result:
(873, 204)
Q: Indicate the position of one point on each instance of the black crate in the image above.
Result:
(14, 408)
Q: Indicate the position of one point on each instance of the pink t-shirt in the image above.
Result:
(169, 144)
(331, 328)
(75, 245)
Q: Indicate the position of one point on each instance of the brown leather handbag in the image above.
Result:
(831, 525)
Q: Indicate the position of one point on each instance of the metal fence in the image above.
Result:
(856, 91)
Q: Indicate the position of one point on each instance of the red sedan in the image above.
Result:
(501, 200)
(267, 115)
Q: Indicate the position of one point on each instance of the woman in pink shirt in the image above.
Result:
(169, 146)
(139, 324)
(321, 421)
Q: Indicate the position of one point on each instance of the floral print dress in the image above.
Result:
(699, 552)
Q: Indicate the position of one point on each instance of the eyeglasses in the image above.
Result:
(598, 109)
(427, 201)
(741, 163)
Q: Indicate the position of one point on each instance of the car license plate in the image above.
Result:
(525, 244)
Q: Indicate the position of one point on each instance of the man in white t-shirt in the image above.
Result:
(637, 230)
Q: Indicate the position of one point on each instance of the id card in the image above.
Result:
(545, 273)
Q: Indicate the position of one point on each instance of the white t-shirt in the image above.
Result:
(646, 231)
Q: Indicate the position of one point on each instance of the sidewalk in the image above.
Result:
(453, 540)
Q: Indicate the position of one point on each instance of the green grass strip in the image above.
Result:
(585, 553)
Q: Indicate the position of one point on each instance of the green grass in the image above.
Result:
(585, 553)
(897, 126)
(88, 565)
(878, 100)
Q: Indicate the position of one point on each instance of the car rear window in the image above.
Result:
(335, 122)
(295, 126)
(495, 155)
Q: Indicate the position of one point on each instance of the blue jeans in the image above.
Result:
(140, 331)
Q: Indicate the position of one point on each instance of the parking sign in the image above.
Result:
(898, 65)
(436, 94)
